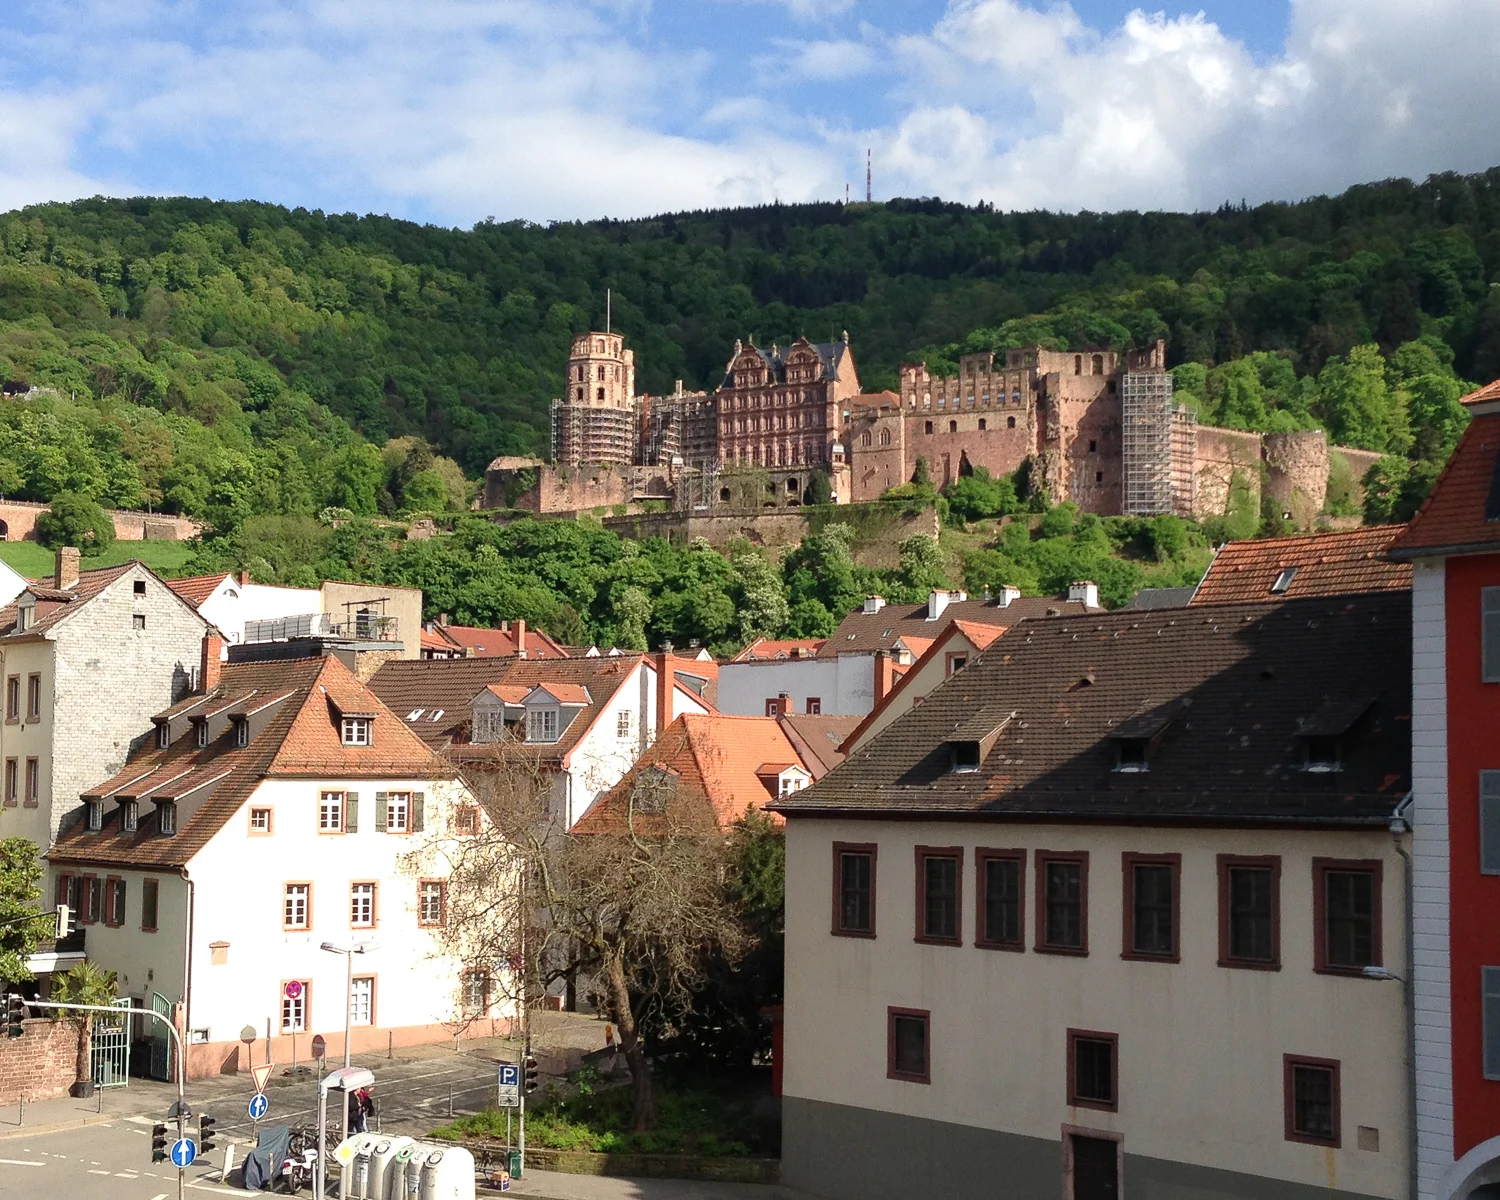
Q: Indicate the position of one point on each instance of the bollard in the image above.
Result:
(450, 1099)
(390, 1044)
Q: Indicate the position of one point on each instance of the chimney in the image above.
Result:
(664, 681)
(1008, 595)
(520, 630)
(885, 675)
(1085, 590)
(783, 704)
(937, 603)
(442, 618)
(244, 578)
(873, 604)
(65, 571)
(209, 660)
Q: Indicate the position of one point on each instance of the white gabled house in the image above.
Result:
(276, 810)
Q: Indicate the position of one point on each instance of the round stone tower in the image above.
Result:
(1297, 473)
(601, 372)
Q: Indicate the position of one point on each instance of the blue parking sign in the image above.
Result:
(510, 1074)
(184, 1150)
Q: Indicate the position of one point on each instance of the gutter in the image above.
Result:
(1401, 826)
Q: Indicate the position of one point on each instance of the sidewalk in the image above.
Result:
(554, 1185)
(53, 1116)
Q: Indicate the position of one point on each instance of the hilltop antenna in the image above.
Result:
(608, 298)
(869, 192)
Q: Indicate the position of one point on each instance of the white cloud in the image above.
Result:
(37, 134)
(806, 10)
(822, 62)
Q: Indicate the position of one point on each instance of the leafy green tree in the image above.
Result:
(87, 983)
(1360, 406)
(978, 496)
(21, 925)
(760, 600)
(73, 519)
(923, 566)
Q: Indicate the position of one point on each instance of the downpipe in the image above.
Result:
(1401, 826)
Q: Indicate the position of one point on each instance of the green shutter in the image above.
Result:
(380, 812)
(351, 812)
(416, 811)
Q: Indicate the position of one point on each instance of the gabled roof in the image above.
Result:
(497, 643)
(1153, 598)
(195, 589)
(817, 739)
(1461, 514)
(1320, 564)
(765, 649)
(830, 357)
(55, 606)
(716, 758)
(294, 734)
(862, 632)
(1247, 680)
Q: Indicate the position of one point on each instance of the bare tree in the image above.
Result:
(635, 908)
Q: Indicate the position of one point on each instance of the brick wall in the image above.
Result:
(41, 1064)
(18, 518)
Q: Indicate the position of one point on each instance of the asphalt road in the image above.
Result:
(100, 1162)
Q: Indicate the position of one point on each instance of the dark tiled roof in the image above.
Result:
(817, 739)
(1457, 513)
(829, 354)
(862, 632)
(300, 737)
(1323, 564)
(1149, 599)
(1238, 681)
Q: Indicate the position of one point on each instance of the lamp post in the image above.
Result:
(349, 953)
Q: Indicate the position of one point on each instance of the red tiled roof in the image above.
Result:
(1324, 564)
(500, 643)
(762, 649)
(294, 733)
(195, 589)
(1453, 517)
(817, 739)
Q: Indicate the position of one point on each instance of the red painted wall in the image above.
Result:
(1473, 746)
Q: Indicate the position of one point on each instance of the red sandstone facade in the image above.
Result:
(782, 410)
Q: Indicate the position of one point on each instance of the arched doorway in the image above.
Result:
(1476, 1176)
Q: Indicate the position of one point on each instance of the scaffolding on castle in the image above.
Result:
(1151, 439)
(595, 434)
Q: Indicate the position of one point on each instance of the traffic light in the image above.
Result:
(158, 1143)
(530, 1073)
(15, 1013)
(206, 1133)
(66, 918)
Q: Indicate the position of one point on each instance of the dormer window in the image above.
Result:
(129, 816)
(93, 815)
(542, 725)
(200, 733)
(1283, 581)
(1322, 755)
(966, 756)
(358, 731)
(1130, 755)
(25, 616)
(163, 735)
(1326, 734)
(166, 817)
(241, 732)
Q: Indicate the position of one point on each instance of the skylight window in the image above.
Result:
(1283, 581)
(415, 714)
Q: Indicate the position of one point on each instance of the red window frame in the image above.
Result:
(1091, 1035)
(1321, 868)
(1289, 1064)
(113, 913)
(839, 850)
(1266, 862)
(955, 854)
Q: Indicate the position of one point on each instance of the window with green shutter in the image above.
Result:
(351, 812)
(416, 811)
(380, 806)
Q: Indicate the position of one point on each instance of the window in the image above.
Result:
(1490, 645)
(13, 698)
(773, 708)
(1062, 903)
(541, 725)
(33, 782)
(331, 812)
(907, 1050)
(241, 732)
(138, 620)
(1312, 1099)
(296, 912)
(260, 820)
(466, 820)
(1010, 422)
(1346, 904)
(983, 424)
(33, 697)
(93, 815)
(397, 812)
(1151, 906)
(12, 780)
(130, 816)
(476, 991)
(952, 426)
(114, 901)
(957, 662)
(294, 1009)
(814, 705)
(1098, 476)
(357, 731)
(1093, 446)
(93, 899)
(1284, 581)
(163, 735)
(1489, 822)
(200, 733)
(432, 902)
(362, 906)
(624, 724)
(939, 890)
(150, 889)
(362, 1000)
(1131, 755)
(1093, 1062)
(1249, 912)
(1490, 1020)
(139, 587)
(928, 427)
(1001, 901)
(854, 889)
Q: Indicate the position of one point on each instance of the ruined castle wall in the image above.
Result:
(1220, 455)
(1297, 473)
(997, 439)
(18, 523)
(875, 443)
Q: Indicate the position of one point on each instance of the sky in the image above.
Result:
(454, 111)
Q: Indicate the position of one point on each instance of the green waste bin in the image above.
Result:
(515, 1164)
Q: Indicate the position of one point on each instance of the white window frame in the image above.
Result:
(362, 1000)
(479, 1006)
(259, 828)
(200, 734)
(537, 722)
(431, 891)
(625, 724)
(362, 905)
(357, 731)
(331, 812)
(294, 1010)
(296, 902)
(398, 802)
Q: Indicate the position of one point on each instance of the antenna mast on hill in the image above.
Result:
(869, 193)
(608, 299)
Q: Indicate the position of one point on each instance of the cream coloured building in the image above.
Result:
(1118, 910)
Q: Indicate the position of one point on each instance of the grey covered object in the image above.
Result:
(263, 1164)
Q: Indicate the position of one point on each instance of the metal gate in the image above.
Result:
(109, 1048)
(161, 1040)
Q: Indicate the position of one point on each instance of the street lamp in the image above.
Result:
(349, 953)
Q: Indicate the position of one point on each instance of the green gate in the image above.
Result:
(161, 1043)
(110, 1048)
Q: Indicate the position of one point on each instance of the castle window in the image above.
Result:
(1015, 396)
(1098, 365)
(865, 439)
(601, 393)
(580, 395)
(1078, 364)
(952, 426)
(1010, 422)
(1093, 445)
(1098, 476)
(601, 372)
(983, 424)
(929, 427)
(885, 437)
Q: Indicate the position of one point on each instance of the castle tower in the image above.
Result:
(601, 372)
(597, 418)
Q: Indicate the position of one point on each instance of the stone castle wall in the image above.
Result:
(18, 524)
(1297, 474)
(1222, 454)
(879, 528)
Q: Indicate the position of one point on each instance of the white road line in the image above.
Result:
(126, 1175)
(160, 1196)
(21, 1162)
(94, 1172)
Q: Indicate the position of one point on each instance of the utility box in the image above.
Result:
(447, 1173)
(385, 1179)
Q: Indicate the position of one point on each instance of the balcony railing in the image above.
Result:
(364, 627)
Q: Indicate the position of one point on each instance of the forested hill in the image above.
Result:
(273, 320)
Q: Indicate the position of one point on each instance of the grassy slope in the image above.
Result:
(34, 561)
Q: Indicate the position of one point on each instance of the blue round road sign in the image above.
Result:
(184, 1150)
(258, 1106)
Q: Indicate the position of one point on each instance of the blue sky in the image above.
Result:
(454, 110)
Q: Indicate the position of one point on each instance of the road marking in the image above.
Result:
(140, 1120)
(94, 1172)
(160, 1196)
(126, 1175)
(21, 1162)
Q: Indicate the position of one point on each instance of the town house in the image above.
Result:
(1118, 909)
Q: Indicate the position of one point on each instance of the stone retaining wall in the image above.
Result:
(18, 524)
(41, 1064)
